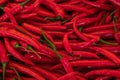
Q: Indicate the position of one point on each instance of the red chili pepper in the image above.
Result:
(32, 7)
(57, 9)
(99, 5)
(117, 37)
(15, 34)
(115, 2)
(66, 43)
(12, 18)
(107, 54)
(100, 27)
(74, 8)
(15, 53)
(14, 10)
(4, 58)
(45, 73)
(80, 78)
(26, 70)
(89, 63)
(26, 16)
(115, 49)
(105, 34)
(72, 2)
(85, 54)
(63, 60)
(36, 30)
(39, 19)
(44, 59)
(44, 13)
(78, 33)
(104, 72)
(103, 78)
(2, 2)
(68, 76)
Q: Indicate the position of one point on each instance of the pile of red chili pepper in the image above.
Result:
(60, 39)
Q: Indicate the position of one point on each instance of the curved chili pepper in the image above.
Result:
(15, 53)
(79, 34)
(107, 54)
(66, 43)
(26, 70)
(3, 58)
(57, 9)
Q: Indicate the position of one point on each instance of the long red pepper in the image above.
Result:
(100, 27)
(32, 7)
(26, 70)
(107, 54)
(105, 72)
(45, 73)
(15, 53)
(57, 9)
(89, 63)
(99, 5)
(44, 13)
(3, 58)
(66, 43)
(76, 8)
(67, 76)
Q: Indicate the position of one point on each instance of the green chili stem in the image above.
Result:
(30, 48)
(25, 2)
(4, 64)
(51, 45)
(18, 75)
(111, 14)
(80, 29)
(13, 79)
(18, 46)
(103, 20)
(109, 43)
(115, 20)
(48, 41)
